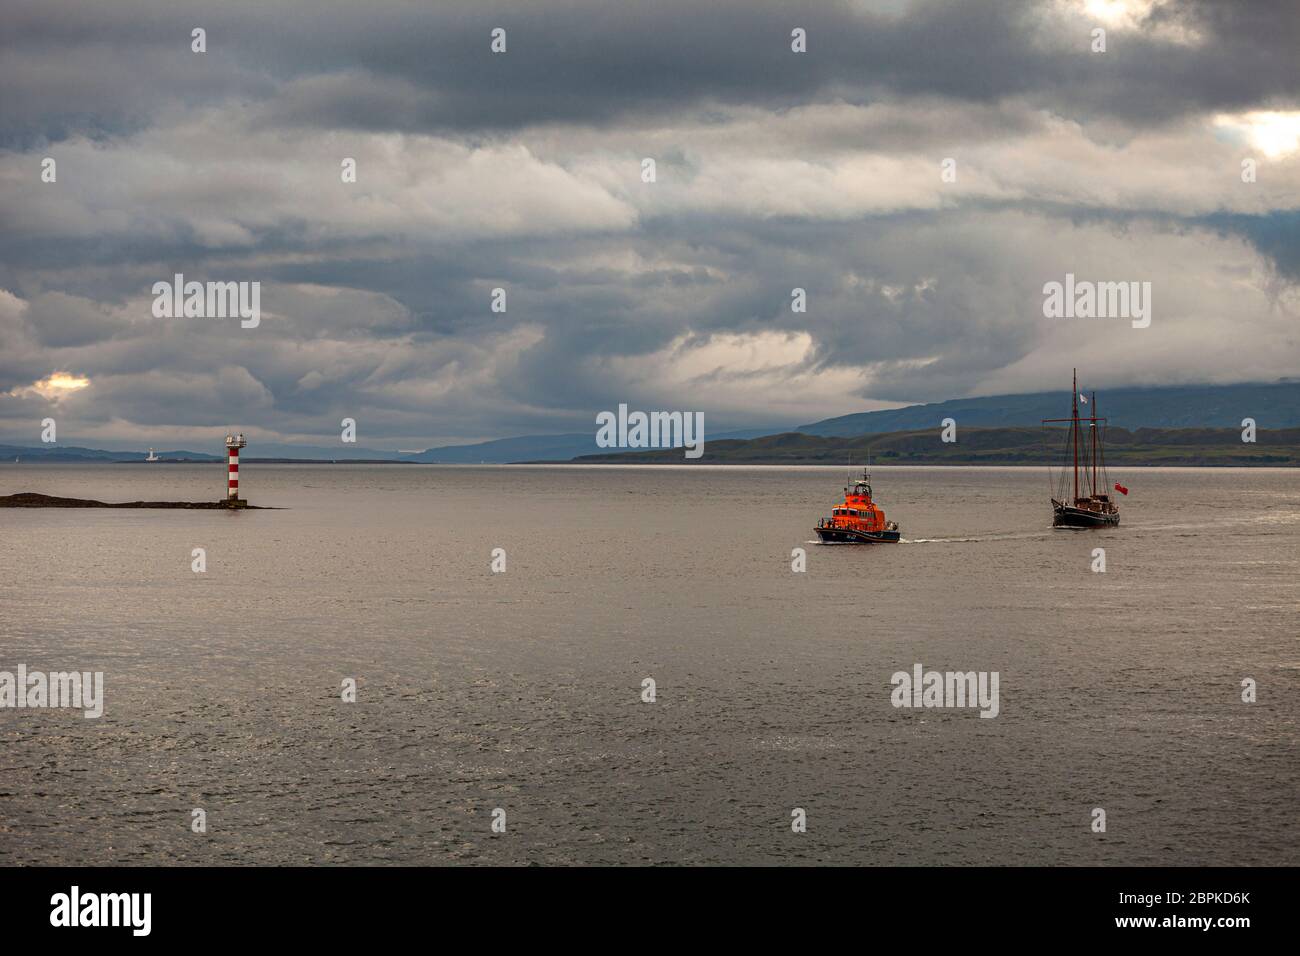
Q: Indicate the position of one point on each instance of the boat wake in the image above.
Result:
(977, 538)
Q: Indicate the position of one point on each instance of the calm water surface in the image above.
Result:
(522, 690)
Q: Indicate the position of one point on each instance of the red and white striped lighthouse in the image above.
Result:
(233, 444)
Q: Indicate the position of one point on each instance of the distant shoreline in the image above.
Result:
(29, 499)
(669, 461)
(1013, 445)
(255, 461)
(896, 463)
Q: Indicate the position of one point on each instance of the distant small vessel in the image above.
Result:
(152, 456)
(1096, 509)
(859, 520)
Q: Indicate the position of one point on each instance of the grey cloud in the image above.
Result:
(59, 320)
(777, 171)
(427, 67)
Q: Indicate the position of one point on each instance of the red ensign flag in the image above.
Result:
(1120, 488)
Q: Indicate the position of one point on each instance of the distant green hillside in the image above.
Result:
(1191, 406)
(987, 446)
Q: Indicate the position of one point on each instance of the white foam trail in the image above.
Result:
(976, 538)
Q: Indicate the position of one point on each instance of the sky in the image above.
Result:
(523, 170)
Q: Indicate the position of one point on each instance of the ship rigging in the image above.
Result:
(1096, 508)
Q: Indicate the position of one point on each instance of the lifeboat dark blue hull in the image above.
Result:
(849, 536)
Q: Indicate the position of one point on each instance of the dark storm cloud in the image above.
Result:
(61, 320)
(96, 68)
(1276, 235)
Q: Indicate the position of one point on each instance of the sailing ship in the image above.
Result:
(859, 520)
(1095, 508)
(152, 456)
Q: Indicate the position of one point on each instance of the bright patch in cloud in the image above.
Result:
(1137, 15)
(1273, 134)
(56, 386)
(731, 368)
(1118, 12)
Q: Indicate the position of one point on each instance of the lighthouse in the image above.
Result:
(233, 444)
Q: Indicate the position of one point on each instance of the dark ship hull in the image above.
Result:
(850, 536)
(1064, 516)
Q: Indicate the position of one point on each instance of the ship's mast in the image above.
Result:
(1074, 430)
(1094, 443)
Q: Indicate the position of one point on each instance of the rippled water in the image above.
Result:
(522, 690)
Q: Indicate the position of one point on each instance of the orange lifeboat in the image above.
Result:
(859, 520)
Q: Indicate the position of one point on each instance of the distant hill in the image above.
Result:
(73, 453)
(551, 447)
(266, 453)
(338, 451)
(1272, 406)
(1199, 406)
(538, 448)
(986, 446)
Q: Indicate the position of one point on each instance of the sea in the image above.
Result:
(646, 665)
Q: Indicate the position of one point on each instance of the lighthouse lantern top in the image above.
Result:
(235, 441)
